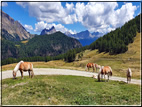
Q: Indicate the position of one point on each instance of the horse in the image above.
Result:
(90, 65)
(129, 75)
(23, 66)
(97, 67)
(105, 70)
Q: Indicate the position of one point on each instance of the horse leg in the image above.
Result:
(127, 80)
(101, 76)
(29, 73)
(104, 77)
(108, 77)
(21, 74)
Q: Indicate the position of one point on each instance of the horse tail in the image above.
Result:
(110, 71)
(99, 75)
(17, 66)
(32, 69)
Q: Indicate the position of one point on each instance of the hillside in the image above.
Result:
(119, 63)
(13, 30)
(116, 42)
(45, 45)
(51, 45)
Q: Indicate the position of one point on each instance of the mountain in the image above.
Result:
(51, 45)
(48, 31)
(13, 30)
(85, 37)
(48, 45)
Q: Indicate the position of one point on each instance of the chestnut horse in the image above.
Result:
(23, 66)
(90, 65)
(129, 75)
(105, 70)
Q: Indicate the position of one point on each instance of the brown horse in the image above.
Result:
(23, 66)
(105, 70)
(90, 65)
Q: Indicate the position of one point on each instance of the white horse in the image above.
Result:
(129, 75)
(97, 66)
(23, 66)
(104, 70)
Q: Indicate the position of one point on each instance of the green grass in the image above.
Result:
(68, 90)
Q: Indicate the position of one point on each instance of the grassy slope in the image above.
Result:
(68, 90)
(119, 63)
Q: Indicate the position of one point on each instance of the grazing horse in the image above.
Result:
(97, 67)
(129, 75)
(90, 65)
(23, 66)
(105, 70)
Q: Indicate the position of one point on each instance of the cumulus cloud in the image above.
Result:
(95, 16)
(103, 16)
(28, 27)
(39, 26)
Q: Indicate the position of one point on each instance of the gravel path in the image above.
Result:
(50, 71)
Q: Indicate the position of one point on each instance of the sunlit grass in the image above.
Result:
(68, 90)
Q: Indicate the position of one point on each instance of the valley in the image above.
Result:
(119, 63)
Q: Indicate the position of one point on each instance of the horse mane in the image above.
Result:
(17, 66)
(129, 71)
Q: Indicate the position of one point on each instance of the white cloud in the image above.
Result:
(28, 27)
(59, 27)
(95, 16)
(103, 16)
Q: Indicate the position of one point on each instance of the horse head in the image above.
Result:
(14, 74)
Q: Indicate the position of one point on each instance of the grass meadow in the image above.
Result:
(77, 90)
(68, 90)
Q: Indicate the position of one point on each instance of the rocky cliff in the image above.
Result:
(13, 30)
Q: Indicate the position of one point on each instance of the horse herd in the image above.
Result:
(103, 70)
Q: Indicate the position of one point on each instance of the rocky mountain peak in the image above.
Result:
(48, 31)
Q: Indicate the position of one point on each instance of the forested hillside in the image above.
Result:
(117, 41)
(45, 45)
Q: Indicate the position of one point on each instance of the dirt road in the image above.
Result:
(50, 71)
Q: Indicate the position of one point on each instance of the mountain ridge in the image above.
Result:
(48, 31)
(13, 28)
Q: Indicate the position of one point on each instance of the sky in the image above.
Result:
(74, 17)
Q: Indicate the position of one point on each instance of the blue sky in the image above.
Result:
(72, 16)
